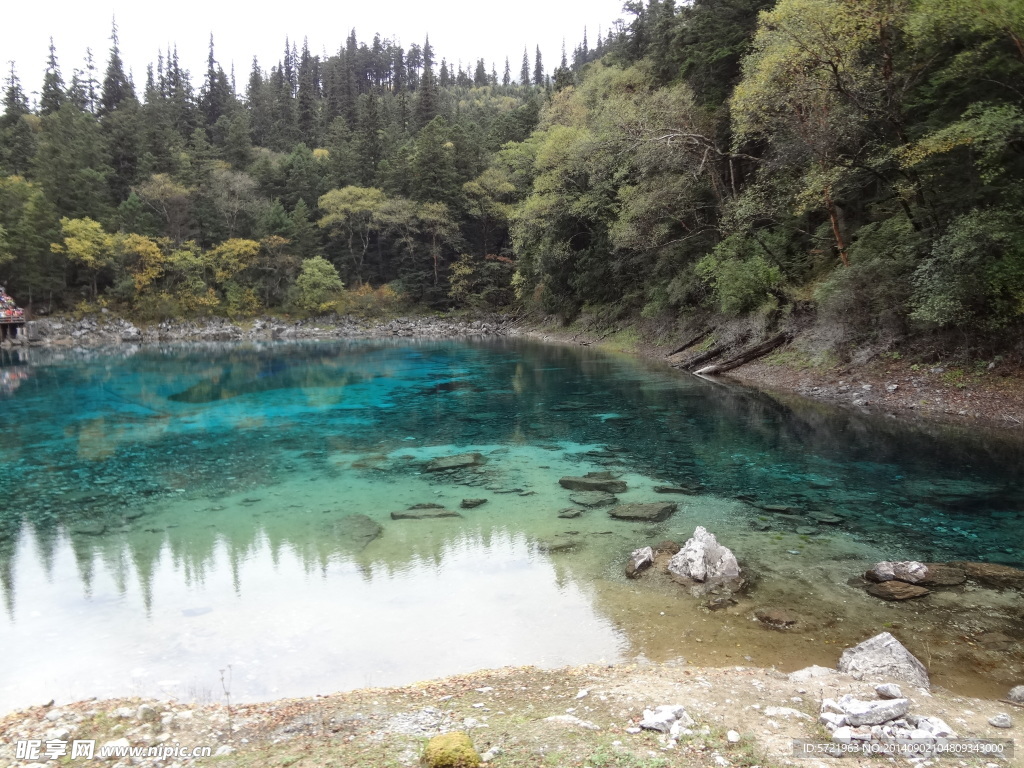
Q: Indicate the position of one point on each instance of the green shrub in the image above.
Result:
(317, 285)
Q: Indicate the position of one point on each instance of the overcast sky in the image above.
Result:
(466, 29)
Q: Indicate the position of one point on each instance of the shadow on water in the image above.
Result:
(152, 475)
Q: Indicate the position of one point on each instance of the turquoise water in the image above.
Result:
(176, 520)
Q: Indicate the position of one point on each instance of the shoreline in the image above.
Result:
(515, 716)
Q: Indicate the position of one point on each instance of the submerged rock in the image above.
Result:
(883, 656)
(570, 512)
(897, 591)
(423, 513)
(639, 560)
(460, 461)
(653, 512)
(558, 544)
(472, 503)
(703, 559)
(942, 575)
(588, 483)
(776, 618)
(675, 489)
(355, 532)
(992, 574)
(593, 498)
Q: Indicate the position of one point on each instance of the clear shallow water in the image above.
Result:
(172, 515)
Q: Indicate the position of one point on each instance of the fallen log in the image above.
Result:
(692, 342)
(744, 357)
(711, 354)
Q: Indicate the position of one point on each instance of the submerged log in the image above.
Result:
(753, 353)
(692, 342)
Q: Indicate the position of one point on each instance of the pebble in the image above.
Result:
(733, 737)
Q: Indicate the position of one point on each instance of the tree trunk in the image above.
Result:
(711, 354)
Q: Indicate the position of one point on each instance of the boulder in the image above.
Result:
(1002, 720)
(652, 513)
(933, 727)
(472, 503)
(663, 717)
(1016, 694)
(992, 574)
(461, 461)
(897, 590)
(860, 712)
(703, 559)
(593, 498)
(639, 560)
(424, 514)
(354, 532)
(588, 483)
(909, 571)
(883, 656)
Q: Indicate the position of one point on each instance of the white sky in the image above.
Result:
(466, 29)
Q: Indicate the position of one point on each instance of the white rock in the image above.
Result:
(732, 737)
(831, 720)
(1016, 694)
(831, 705)
(910, 571)
(844, 734)
(810, 673)
(883, 656)
(859, 712)
(1002, 720)
(702, 558)
(936, 727)
(54, 715)
(116, 744)
(889, 691)
(658, 721)
(226, 749)
(633, 729)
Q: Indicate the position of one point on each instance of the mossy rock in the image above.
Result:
(450, 750)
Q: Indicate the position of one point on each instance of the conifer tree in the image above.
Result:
(538, 69)
(506, 78)
(524, 72)
(117, 88)
(17, 141)
(53, 94)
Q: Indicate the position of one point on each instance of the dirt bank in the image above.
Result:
(517, 717)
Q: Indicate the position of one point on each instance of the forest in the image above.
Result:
(858, 161)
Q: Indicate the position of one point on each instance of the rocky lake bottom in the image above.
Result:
(275, 520)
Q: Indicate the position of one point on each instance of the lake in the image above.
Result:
(179, 520)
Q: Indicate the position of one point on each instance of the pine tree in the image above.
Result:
(506, 78)
(17, 140)
(308, 99)
(117, 88)
(53, 94)
(524, 72)
(480, 74)
(217, 97)
(538, 69)
(426, 95)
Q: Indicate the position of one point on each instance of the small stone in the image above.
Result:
(147, 713)
(1002, 720)
(225, 749)
(732, 737)
(889, 691)
(639, 560)
(806, 530)
(570, 512)
(910, 571)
